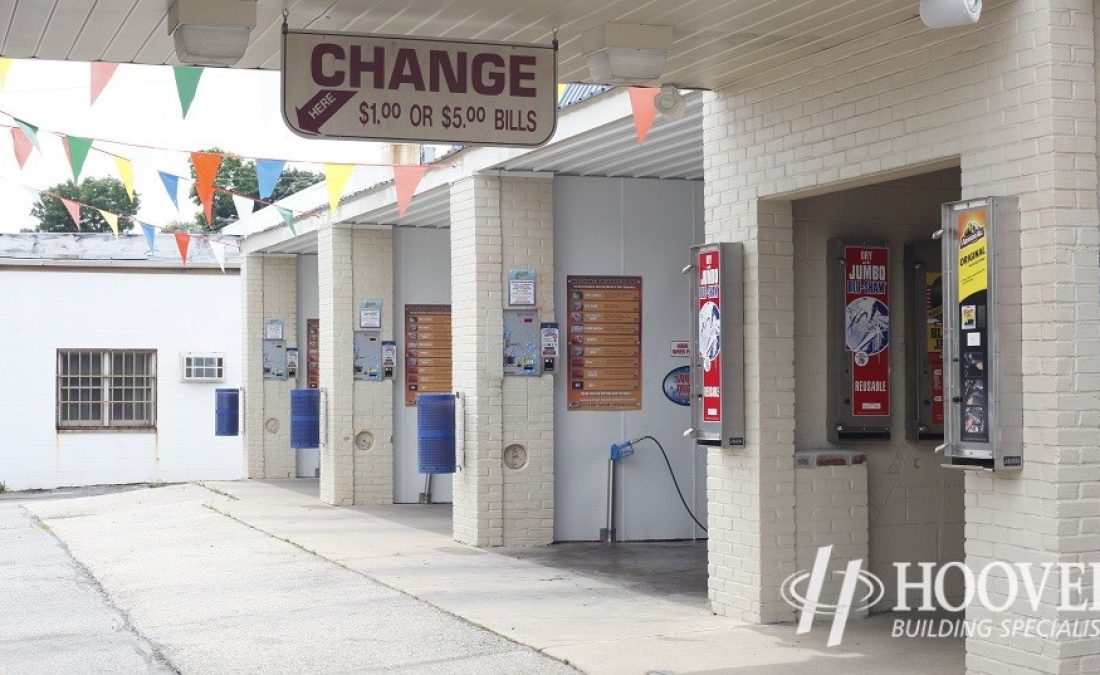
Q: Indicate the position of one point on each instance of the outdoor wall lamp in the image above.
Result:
(211, 32)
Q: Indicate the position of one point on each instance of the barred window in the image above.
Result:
(106, 389)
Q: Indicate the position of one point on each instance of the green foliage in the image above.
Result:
(108, 194)
(239, 176)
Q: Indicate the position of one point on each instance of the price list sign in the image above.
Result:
(605, 343)
(427, 350)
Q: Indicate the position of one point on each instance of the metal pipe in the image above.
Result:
(607, 535)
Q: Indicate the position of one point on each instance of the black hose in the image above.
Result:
(674, 482)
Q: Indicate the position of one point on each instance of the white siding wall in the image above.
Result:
(43, 310)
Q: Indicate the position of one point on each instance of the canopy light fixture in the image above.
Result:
(624, 54)
(211, 32)
(669, 102)
(949, 13)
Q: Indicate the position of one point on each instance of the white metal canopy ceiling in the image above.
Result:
(717, 41)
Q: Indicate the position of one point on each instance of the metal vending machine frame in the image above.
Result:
(983, 334)
(718, 345)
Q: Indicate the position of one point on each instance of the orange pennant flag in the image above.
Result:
(101, 75)
(641, 103)
(406, 177)
(206, 170)
(182, 241)
(74, 210)
(22, 145)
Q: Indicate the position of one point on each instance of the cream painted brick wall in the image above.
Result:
(269, 289)
(498, 224)
(335, 293)
(1012, 100)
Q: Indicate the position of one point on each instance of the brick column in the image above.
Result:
(497, 224)
(335, 293)
(268, 290)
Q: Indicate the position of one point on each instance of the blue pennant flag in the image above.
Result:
(171, 184)
(267, 175)
(150, 236)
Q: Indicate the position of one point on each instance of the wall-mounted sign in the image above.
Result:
(427, 350)
(933, 303)
(313, 353)
(273, 328)
(370, 314)
(677, 385)
(867, 327)
(709, 330)
(973, 280)
(340, 85)
(680, 349)
(605, 343)
(521, 288)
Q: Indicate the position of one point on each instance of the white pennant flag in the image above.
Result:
(218, 249)
(244, 206)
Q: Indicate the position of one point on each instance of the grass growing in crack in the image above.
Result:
(3, 487)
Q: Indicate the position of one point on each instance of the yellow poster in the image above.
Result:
(973, 256)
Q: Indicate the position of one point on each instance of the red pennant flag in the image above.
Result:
(405, 178)
(101, 75)
(206, 170)
(74, 210)
(22, 145)
(641, 103)
(182, 241)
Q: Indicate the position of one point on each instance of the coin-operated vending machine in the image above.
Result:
(718, 345)
(983, 333)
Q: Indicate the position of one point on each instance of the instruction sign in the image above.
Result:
(380, 87)
(933, 304)
(973, 276)
(605, 343)
(709, 265)
(867, 327)
(427, 350)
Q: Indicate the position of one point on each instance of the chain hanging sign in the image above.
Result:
(389, 88)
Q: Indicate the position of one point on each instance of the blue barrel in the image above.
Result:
(305, 418)
(227, 403)
(435, 431)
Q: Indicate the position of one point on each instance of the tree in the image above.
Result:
(108, 194)
(239, 176)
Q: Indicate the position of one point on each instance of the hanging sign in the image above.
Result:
(605, 343)
(379, 87)
(867, 328)
(973, 276)
(709, 265)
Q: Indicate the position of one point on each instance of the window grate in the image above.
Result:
(106, 389)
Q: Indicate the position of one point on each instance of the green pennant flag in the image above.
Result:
(31, 131)
(187, 83)
(76, 147)
(288, 218)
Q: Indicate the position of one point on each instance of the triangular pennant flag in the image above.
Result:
(31, 131)
(74, 210)
(561, 91)
(182, 241)
(76, 148)
(206, 170)
(244, 206)
(22, 146)
(150, 236)
(171, 185)
(267, 175)
(101, 75)
(5, 64)
(218, 249)
(187, 83)
(336, 179)
(112, 220)
(288, 218)
(641, 103)
(126, 172)
(405, 179)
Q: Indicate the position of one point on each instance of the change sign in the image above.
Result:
(338, 85)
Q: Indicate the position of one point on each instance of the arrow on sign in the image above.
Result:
(319, 109)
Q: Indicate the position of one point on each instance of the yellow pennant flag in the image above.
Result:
(5, 63)
(111, 218)
(336, 178)
(126, 172)
(561, 91)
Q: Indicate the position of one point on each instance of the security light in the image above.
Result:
(211, 32)
(669, 102)
(948, 13)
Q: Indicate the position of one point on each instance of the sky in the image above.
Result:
(235, 110)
